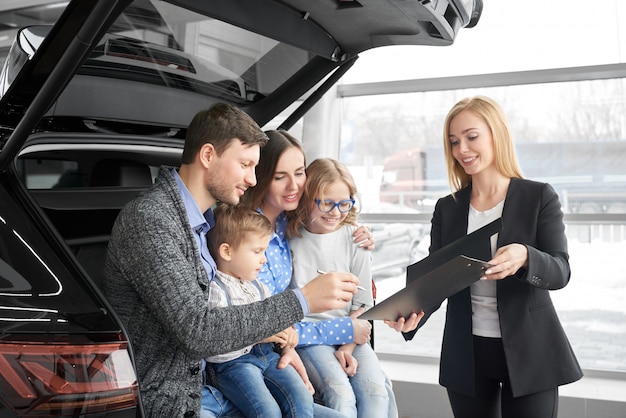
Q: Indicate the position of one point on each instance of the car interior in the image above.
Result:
(83, 192)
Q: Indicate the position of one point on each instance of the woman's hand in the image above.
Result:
(506, 262)
(406, 325)
(363, 237)
(362, 328)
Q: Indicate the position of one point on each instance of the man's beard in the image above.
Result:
(223, 193)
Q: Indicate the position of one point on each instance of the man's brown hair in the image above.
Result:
(219, 125)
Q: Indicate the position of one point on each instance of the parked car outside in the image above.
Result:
(92, 106)
(398, 244)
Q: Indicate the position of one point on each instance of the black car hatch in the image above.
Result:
(127, 63)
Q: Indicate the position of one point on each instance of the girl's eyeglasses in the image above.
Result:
(327, 205)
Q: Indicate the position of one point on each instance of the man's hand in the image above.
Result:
(290, 356)
(362, 328)
(330, 291)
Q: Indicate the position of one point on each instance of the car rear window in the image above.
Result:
(51, 174)
(189, 51)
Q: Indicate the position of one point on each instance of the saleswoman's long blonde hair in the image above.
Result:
(504, 150)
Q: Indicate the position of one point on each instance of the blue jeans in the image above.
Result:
(393, 406)
(367, 392)
(215, 405)
(255, 384)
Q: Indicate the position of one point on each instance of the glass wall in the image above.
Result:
(570, 134)
(557, 68)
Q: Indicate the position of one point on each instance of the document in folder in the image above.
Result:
(440, 275)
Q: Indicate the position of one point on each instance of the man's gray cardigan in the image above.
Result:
(157, 284)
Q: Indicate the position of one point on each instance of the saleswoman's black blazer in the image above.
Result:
(537, 351)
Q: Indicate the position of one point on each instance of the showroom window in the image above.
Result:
(567, 113)
(574, 137)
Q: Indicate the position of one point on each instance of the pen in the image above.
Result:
(324, 272)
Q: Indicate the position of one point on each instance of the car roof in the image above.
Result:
(276, 53)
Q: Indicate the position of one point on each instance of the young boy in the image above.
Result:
(250, 377)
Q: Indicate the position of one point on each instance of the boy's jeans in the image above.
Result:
(255, 384)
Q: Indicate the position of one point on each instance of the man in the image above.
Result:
(158, 270)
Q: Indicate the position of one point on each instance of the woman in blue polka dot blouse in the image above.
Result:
(280, 181)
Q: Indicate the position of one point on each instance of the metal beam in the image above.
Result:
(555, 75)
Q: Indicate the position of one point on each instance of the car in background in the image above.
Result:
(397, 244)
(91, 106)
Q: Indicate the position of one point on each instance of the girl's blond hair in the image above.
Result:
(320, 174)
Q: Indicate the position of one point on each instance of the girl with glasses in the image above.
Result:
(281, 175)
(346, 377)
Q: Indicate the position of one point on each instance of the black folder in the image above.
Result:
(440, 275)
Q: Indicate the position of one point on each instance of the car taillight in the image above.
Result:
(57, 379)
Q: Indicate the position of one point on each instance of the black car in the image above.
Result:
(92, 105)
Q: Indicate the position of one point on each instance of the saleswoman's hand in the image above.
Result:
(406, 325)
(506, 262)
